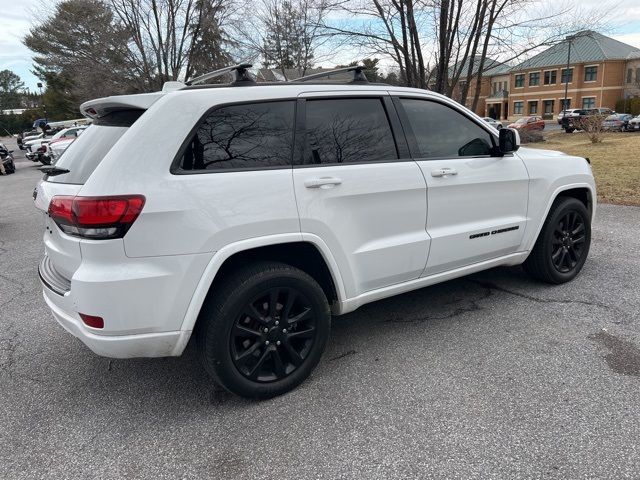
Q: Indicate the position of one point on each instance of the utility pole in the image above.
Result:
(44, 107)
(566, 78)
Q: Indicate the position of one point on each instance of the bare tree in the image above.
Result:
(438, 43)
(285, 34)
(394, 32)
(167, 36)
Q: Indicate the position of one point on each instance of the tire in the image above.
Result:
(563, 244)
(235, 348)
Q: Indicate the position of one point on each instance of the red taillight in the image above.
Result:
(96, 217)
(42, 149)
(92, 321)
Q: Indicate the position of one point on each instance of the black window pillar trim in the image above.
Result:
(399, 135)
(300, 134)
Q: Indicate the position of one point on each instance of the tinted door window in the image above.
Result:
(442, 132)
(245, 136)
(348, 130)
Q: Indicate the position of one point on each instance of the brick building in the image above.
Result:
(601, 71)
(495, 79)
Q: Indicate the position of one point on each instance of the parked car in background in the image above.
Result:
(254, 246)
(493, 122)
(572, 112)
(56, 148)
(23, 135)
(604, 111)
(533, 122)
(617, 122)
(7, 160)
(27, 137)
(37, 149)
(634, 123)
(577, 120)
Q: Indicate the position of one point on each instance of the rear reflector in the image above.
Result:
(97, 218)
(92, 321)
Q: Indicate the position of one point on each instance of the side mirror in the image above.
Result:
(509, 140)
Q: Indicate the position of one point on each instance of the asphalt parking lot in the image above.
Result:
(489, 376)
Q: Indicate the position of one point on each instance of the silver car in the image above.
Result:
(493, 122)
(634, 124)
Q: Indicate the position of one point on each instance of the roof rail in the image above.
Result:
(358, 75)
(241, 75)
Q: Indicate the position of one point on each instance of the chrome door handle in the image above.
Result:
(322, 182)
(443, 172)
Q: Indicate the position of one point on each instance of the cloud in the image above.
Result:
(632, 39)
(17, 18)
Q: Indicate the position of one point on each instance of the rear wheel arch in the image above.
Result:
(303, 255)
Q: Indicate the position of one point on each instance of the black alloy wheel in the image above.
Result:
(569, 239)
(263, 329)
(273, 335)
(563, 244)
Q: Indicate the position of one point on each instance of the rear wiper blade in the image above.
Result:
(53, 171)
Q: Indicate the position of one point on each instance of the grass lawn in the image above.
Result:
(615, 162)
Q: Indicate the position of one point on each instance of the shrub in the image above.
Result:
(531, 136)
(593, 128)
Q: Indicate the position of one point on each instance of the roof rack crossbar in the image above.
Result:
(240, 73)
(358, 75)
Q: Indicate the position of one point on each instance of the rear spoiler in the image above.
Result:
(101, 107)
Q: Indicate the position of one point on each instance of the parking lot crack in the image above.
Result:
(531, 298)
(471, 305)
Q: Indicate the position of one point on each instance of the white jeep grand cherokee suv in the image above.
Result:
(249, 214)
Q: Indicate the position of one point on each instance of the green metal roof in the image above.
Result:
(491, 67)
(586, 46)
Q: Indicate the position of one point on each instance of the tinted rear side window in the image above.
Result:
(86, 152)
(442, 132)
(244, 136)
(348, 130)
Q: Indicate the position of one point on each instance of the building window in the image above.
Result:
(630, 75)
(517, 108)
(534, 79)
(550, 77)
(566, 75)
(520, 80)
(533, 107)
(548, 106)
(588, 102)
(638, 76)
(590, 74)
(566, 104)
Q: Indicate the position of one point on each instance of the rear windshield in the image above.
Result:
(85, 154)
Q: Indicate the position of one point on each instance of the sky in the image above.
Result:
(19, 15)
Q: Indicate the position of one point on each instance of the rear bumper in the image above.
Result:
(143, 301)
(165, 344)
